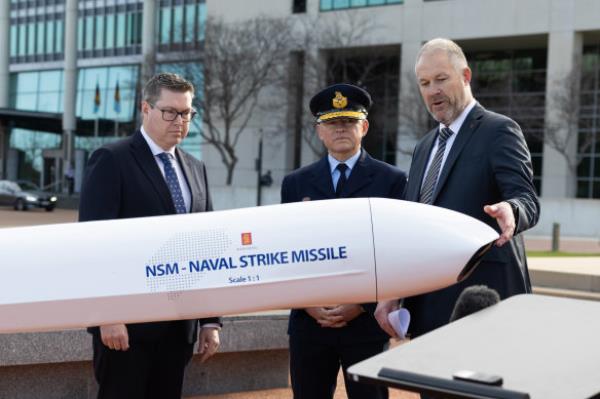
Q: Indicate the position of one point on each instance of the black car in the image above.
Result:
(11, 193)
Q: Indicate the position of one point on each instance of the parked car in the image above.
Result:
(25, 196)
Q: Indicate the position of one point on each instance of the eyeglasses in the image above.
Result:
(169, 115)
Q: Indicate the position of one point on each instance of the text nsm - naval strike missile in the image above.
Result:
(303, 254)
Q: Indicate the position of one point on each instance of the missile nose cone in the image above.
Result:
(421, 248)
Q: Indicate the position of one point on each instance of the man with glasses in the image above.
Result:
(323, 338)
(147, 174)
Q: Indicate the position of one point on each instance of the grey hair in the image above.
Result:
(169, 81)
(453, 50)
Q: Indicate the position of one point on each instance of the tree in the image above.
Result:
(332, 53)
(562, 125)
(240, 60)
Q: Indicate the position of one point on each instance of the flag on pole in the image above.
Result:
(97, 99)
(117, 105)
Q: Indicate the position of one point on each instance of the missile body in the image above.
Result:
(229, 262)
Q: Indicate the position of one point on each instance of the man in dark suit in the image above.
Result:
(146, 174)
(323, 338)
(475, 162)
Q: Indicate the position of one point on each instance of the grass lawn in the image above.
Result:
(560, 254)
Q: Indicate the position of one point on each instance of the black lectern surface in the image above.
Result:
(542, 348)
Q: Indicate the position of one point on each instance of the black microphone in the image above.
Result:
(473, 299)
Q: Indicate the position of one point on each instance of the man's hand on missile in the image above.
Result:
(381, 315)
(326, 317)
(208, 342)
(503, 213)
(115, 336)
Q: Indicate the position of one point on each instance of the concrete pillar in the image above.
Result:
(565, 48)
(148, 40)
(4, 52)
(70, 82)
(4, 80)
(412, 116)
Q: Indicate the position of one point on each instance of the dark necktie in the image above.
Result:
(431, 179)
(172, 182)
(339, 187)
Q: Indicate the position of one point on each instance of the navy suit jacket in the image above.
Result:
(123, 180)
(369, 178)
(489, 162)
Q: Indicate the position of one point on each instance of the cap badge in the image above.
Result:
(339, 101)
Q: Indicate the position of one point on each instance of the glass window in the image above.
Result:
(165, 25)
(31, 38)
(27, 101)
(106, 79)
(89, 32)
(22, 38)
(59, 36)
(40, 38)
(190, 18)
(327, 5)
(121, 28)
(99, 32)
(26, 87)
(14, 40)
(201, 20)
(80, 33)
(110, 31)
(50, 81)
(49, 37)
(177, 24)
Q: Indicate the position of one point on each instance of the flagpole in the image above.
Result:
(117, 107)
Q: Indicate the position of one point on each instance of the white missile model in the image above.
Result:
(303, 254)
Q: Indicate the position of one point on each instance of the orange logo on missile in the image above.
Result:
(246, 238)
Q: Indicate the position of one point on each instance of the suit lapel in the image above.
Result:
(143, 156)
(191, 178)
(321, 178)
(465, 133)
(360, 176)
(418, 165)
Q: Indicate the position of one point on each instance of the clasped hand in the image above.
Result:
(335, 316)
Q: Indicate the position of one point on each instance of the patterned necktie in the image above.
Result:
(428, 188)
(339, 187)
(172, 182)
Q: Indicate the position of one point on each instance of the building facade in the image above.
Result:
(537, 61)
(110, 52)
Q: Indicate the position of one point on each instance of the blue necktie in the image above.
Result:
(172, 182)
(433, 173)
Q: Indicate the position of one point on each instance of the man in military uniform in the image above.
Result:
(323, 338)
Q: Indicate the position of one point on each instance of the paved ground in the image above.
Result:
(340, 393)
(11, 218)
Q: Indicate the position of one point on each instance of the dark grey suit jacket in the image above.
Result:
(123, 180)
(489, 162)
(369, 178)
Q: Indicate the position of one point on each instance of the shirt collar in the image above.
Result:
(155, 148)
(350, 162)
(457, 124)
